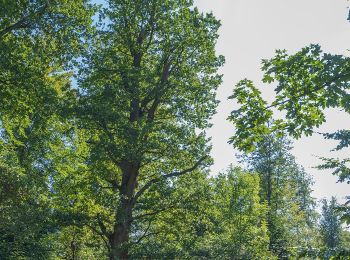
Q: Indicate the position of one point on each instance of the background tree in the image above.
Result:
(330, 226)
(240, 217)
(286, 188)
(38, 42)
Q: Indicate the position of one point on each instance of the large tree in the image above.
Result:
(147, 90)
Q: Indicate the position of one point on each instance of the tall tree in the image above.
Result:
(331, 231)
(147, 92)
(285, 187)
(330, 224)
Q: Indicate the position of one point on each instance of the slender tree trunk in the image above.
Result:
(269, 188)
(270, 224)
(119, 239)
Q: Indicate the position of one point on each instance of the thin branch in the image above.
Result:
(102, 226)
(306, 92)
(173, 206)
(100, 234)
(106, 187)
(94, 229)
(115, 185)
(152, 213)
(24, 21)
(145, 233)
(169, 175)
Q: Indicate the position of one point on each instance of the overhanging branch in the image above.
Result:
(338, 77)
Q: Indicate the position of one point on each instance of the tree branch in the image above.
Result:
(99, 233)
(115, 185)
(306, 92)
(151, 213)
(24, 21)
(145, 233)
(102, 226)
(169, 175)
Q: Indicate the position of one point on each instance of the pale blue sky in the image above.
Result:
(252, 30)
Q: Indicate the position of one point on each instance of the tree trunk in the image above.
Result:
(269, 214)
(119, 239)
(269, 188)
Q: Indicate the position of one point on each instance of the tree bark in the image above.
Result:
(269, 188)
(119, 239)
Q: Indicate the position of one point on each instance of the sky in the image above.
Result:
(252, 30)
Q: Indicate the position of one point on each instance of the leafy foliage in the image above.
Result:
(241, 217)
(38, 42)
(308, 82)
(252, 106)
